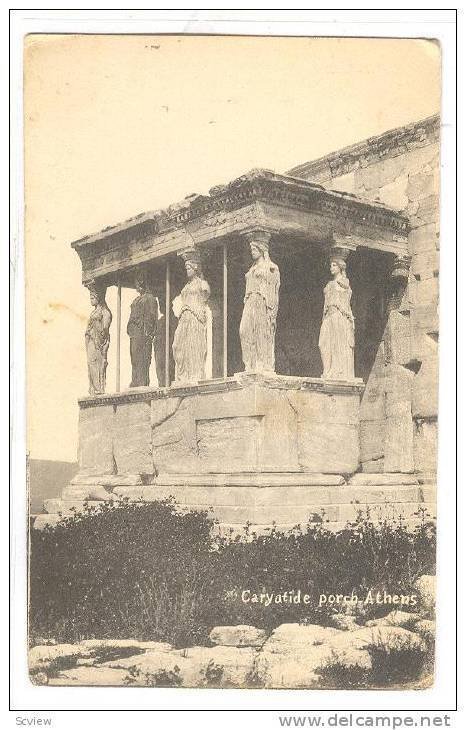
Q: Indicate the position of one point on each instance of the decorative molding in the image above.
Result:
(238, 382)
(258, 233)
(362, 154)
(125, 242)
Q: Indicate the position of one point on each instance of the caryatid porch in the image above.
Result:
(256, 446)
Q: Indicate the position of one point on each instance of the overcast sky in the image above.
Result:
(116, 125)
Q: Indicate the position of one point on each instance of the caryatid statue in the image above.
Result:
(336, 341)
(190, 306)
(259, 319)
(141, 330)
(97, 339)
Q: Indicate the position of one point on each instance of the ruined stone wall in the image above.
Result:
(399, 408)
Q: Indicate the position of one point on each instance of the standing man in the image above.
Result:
(141, 330)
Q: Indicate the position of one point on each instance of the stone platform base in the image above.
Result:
(262, 500)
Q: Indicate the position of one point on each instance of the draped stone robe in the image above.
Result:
(97, 338)
(258, 322)
(336, 341)
(190, 341)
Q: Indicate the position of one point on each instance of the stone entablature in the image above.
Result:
(261, 198)
(393, 143)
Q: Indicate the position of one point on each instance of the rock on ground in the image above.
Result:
(125, 644)
(395, 618)
(293, 654)
(344, 622)
(151, 661)
(296, 636)
(292, 657)
(197, 666)
(240, 635)
(390, 636)
(221, 666)
(293, 669)
(90, 677)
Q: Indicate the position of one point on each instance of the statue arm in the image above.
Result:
(205, 291)
(273, 289)
(105, 330)
(106, 320)
(343, 281)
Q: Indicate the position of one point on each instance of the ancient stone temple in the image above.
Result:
(296, 353)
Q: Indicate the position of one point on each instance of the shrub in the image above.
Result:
(397, 662)
(162, 678)
(337, 674)
(127, 571)
(147, 571)
(60, 664)
(212, 675)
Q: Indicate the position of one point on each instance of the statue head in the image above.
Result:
(259, 244)
(258, 250)
(97, 293)
(337, 266)
(192, 264)
(192, 269)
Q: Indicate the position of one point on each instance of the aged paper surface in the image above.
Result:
(232, 282)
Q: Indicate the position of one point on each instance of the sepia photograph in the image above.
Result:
(231, 281)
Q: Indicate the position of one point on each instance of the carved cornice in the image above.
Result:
(269, 187)
(362, 154)
(263, 186)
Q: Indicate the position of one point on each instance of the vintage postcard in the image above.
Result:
(232, 249)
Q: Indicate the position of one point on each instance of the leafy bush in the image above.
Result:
(147, 571)
(397, 662)
(126, 571)
(337, 674)
(162, 678)
(212, 675)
